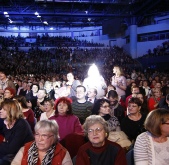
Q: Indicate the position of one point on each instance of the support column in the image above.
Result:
(133, 41)
(72, 34)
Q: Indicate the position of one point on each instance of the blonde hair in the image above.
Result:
(14, 110)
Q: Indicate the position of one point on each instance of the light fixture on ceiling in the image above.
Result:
(86, 12)
(89, 19)
(45, 22)
(5, 13)
(10, 21)
(51, 28)
(38, 16)
(36, 13)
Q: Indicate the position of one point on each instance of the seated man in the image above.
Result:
(81, 107)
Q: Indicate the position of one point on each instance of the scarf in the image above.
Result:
(33, 155)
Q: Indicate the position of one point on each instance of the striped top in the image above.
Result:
(82, 110)
(144, 150)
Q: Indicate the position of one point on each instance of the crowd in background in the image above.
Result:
(113, 107)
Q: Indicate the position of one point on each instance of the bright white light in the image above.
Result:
(38, 16)
(86, 12)
(93, 71)
(36, 13)
(51, 28)
(7, 16)
(10, 21)
(45, 22)
(5, 13)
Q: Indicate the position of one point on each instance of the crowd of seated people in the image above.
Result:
(46, 41)
(62, 97)
(160, 50)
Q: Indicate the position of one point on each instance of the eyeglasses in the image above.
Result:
(43, 136)
(97, 130)
(106, 106)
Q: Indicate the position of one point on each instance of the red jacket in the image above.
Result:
(58, 157)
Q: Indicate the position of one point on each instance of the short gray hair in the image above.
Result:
(49, 126)
(93, 119)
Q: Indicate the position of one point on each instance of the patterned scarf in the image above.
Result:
(33, 155)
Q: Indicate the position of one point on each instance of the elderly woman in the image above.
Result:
(102, 108)
(16, 130)
(133, 123)
(68, 123)
(99, 150)
(151, 147)
(45, 150)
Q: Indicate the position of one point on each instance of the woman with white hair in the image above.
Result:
(45, 150)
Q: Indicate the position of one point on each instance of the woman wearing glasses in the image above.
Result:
(99, 150)
(152, 147)
(102, 108)
(45, 150)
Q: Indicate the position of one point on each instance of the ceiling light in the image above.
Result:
(38, 16)
(89, 19)
(45, 22)
(7, 16)
(5, 13)
(51, 28)
(86, 12)
(36, 13)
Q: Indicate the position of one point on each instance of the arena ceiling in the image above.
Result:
(77, 13)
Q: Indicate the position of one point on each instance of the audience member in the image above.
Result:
(119, 82)
(102, 108)
(49, 109)
(99, 150)
(116, 109)
(72, 84)
(91, 95)
(144, 106)
(81, 107)
(39, 109)
(9, 93)
(132, 124)
(151, 147)
(5, 82)
(153, 101)
(27, 112)
(16, 131)
(68, 123)
(45, 149)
